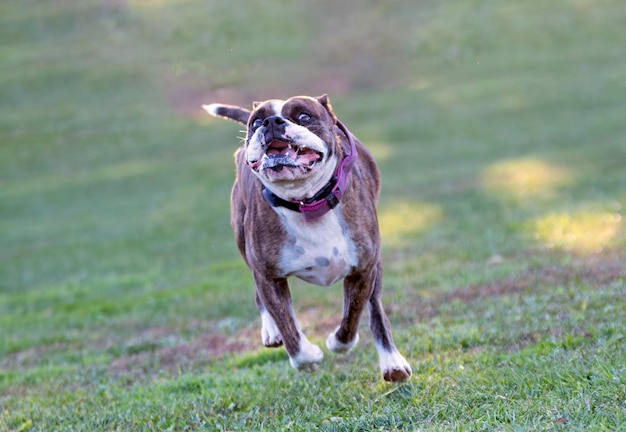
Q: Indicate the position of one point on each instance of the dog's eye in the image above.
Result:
(256, 123)
(304, 118)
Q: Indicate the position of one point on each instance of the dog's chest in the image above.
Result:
(319, 252)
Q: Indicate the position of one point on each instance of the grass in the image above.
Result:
(499, 132)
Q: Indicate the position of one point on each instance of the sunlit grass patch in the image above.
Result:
(399, 221)
(583, 232)
(524, 178)
(379, 150)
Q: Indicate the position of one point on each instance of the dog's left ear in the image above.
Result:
(323, 100)
(230, 112)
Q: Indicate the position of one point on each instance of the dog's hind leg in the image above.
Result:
(279, 322)
(393, 365)
(270, 335)
(356, 291)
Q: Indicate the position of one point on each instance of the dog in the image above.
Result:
(304, 205)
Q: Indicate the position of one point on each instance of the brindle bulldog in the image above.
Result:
(304, 205)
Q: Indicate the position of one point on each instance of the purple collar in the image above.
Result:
(330, 195)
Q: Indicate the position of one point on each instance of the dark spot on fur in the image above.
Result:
(344, 229)
(299, 250)
(335, 251)
(322, 261)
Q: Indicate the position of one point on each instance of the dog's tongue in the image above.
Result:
(280, 148)
(281, 154)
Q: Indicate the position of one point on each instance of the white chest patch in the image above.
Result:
(318, 251)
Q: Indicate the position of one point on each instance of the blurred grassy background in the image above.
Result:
(499, 129)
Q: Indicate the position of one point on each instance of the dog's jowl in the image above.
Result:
(304, 205)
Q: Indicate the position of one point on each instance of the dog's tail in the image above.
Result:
(230, 112)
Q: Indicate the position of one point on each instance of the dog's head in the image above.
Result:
(291, 145)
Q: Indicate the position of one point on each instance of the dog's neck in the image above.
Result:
(329, 196)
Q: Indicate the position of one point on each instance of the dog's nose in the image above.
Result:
(273, 120)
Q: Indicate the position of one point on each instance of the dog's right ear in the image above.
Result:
(230, 112)
(323, 100)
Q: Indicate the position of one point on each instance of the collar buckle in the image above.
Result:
(332, 200)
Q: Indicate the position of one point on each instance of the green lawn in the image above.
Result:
(500, 132)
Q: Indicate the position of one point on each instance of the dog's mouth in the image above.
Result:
(285, 154)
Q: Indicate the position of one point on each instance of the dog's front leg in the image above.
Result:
(279, 323)
(360, 288)
(393, 365)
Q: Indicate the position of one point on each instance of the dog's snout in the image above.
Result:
(273, 120)
(273, 128)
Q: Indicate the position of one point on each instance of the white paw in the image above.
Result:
(393, 366)
(308, 358)
(269, 332)
(339, 347)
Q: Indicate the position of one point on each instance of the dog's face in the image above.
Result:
(292, 145)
